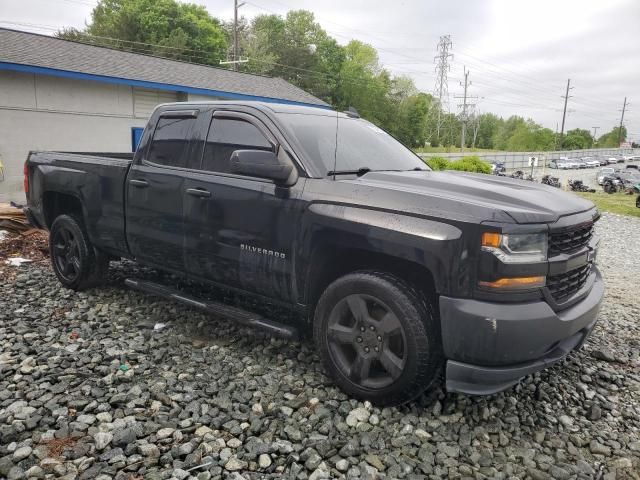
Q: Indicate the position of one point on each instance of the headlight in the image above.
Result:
(516, 247)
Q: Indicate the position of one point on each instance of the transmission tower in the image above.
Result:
(442, 85)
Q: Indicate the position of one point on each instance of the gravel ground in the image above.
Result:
(89, 390)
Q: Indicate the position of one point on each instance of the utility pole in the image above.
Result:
(595, 131)
(465, 105)
(476, 127)
(566, 97)
(236, 6)
(624, 107)
(442, 84)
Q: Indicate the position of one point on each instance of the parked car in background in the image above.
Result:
(559, 164)
(569, 162)
(603, 161)
(579, 163)
(604, 172)
(591, 162)
(629, 178)
(612, 160)
(632, 167)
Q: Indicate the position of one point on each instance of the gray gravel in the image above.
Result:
(89, 390)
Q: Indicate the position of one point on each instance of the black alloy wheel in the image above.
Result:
(76, 263)
(367, 341)
(379, 337)
(66, 254)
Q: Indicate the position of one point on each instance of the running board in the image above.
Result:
(236, 314)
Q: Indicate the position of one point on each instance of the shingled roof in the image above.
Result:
(44, 54)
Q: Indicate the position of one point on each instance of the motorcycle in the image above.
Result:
(612, 184)
(551, 181)
(520, 175)
(578, 186)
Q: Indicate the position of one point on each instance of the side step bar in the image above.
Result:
(236, 314)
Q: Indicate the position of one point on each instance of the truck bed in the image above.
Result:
(96, 180)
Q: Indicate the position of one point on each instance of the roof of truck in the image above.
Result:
(36, 53)
(273, 107)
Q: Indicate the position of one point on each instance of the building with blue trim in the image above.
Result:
(61, 95)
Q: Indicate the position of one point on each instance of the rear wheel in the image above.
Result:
(75, 262)
(378, 337)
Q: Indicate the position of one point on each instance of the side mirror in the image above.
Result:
(261, 164)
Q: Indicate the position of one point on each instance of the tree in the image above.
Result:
(610, 139)
(160, 27)
(412, 117)
(364, 85)
(577, 139)
(489, 124)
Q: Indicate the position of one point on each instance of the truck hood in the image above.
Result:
(481, 195)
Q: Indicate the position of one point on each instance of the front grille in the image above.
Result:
(571, 239)
(566, 284)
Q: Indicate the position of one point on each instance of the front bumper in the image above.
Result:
(491, 346)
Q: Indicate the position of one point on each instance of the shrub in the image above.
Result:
(470, 164)
(437, 163)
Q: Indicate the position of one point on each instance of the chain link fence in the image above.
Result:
(520, 160)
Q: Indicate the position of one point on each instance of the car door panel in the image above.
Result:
(242, 235)
(154, 213)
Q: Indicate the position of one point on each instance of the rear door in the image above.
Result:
(239, 230)
(155, 191)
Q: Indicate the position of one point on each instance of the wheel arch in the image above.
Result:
(338, 240)
(330, 262)
(58, 203)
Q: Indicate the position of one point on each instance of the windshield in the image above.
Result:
(360, 144)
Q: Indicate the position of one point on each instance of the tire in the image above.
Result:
(75, 261)
(401, 337)
(638, 201)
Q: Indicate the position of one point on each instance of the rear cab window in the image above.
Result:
(171, 140)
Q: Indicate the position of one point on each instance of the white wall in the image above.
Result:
(39, 112)
(194, 97)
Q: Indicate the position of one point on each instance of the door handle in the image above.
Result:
(139, 183)
(199, 192)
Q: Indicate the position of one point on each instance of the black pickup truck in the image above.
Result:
(398, 271)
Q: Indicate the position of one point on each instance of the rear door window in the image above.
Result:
(227, 135)
(170, 143)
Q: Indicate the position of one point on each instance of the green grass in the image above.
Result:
(450, 150)
(620, 203)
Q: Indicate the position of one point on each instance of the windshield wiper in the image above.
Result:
(359, 172)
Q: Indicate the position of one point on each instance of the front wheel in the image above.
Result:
(75, 262)
(378, 337)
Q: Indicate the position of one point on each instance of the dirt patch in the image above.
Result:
(56, 446)
(32, 245)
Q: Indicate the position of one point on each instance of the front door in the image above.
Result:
(238, 230)
(154, 208)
